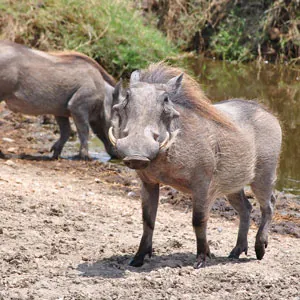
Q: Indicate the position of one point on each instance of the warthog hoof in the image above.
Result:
(237, 251)
(82, 157)
(201, 260)
(55, 156)
(260, 249)
(56, 149)
(136, 262)
(85, 157)
(138, 259)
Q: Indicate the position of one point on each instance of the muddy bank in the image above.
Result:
(66, 233)
(69, 228)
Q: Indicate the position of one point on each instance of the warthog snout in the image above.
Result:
(138, 150)
(136, 162)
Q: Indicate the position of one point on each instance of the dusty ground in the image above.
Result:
(68, 229)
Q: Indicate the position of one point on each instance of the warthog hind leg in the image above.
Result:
(262, 188)
(150, 194)
(242, 205)
(261, 241)
(79, 108)
(65, 131)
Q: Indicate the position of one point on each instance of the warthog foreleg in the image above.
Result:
(65, 131)
(201, 209)
(150, 194)
(79, 108)
(241, 204)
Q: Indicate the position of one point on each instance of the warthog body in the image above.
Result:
(62, 84)
(166, 129)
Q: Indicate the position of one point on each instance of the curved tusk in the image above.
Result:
(165, 141)
(111, 137)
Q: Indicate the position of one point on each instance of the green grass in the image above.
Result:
(110, 31)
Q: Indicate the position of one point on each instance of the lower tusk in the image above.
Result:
(165, 141)
(111, 137)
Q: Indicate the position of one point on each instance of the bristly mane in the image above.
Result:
(190, 96)
(73, 55)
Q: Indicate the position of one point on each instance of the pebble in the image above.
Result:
(5, 139)
(12, 149)
(10, 163)
(76, 281)
(131, 194)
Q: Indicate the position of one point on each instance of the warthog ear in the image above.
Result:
(119, 97)
(118, 91)
(135, 77)
(174, 84)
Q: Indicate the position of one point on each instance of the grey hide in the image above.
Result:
(61, 84)
(165, 128)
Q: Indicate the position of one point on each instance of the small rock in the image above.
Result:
(163, 200)
(12, 149)
(8, 140)
(55, 212)
(1, 230)
(10, 163)
(131, 194)
(79, 228)
(76, 281)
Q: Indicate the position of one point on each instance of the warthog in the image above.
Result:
(170, 133)
(62, 84)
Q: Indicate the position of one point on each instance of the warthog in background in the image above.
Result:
(170, 133)
(61, 84)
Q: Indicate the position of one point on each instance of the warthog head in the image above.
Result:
(142, 118)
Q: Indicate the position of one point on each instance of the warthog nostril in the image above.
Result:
(136, 162)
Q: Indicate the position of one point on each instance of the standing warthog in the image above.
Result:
(62, 84)
(167, 130)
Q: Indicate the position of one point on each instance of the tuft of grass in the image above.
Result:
(111, 32)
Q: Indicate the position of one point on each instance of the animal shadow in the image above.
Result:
(117, 265)
(36, 157)
(40, 157)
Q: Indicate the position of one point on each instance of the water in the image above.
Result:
(96, 149)
(276, 86)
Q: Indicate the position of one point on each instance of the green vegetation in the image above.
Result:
(111, 32)
(228, 43)
(238, 30)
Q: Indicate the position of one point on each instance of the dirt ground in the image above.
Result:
(68, 229)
